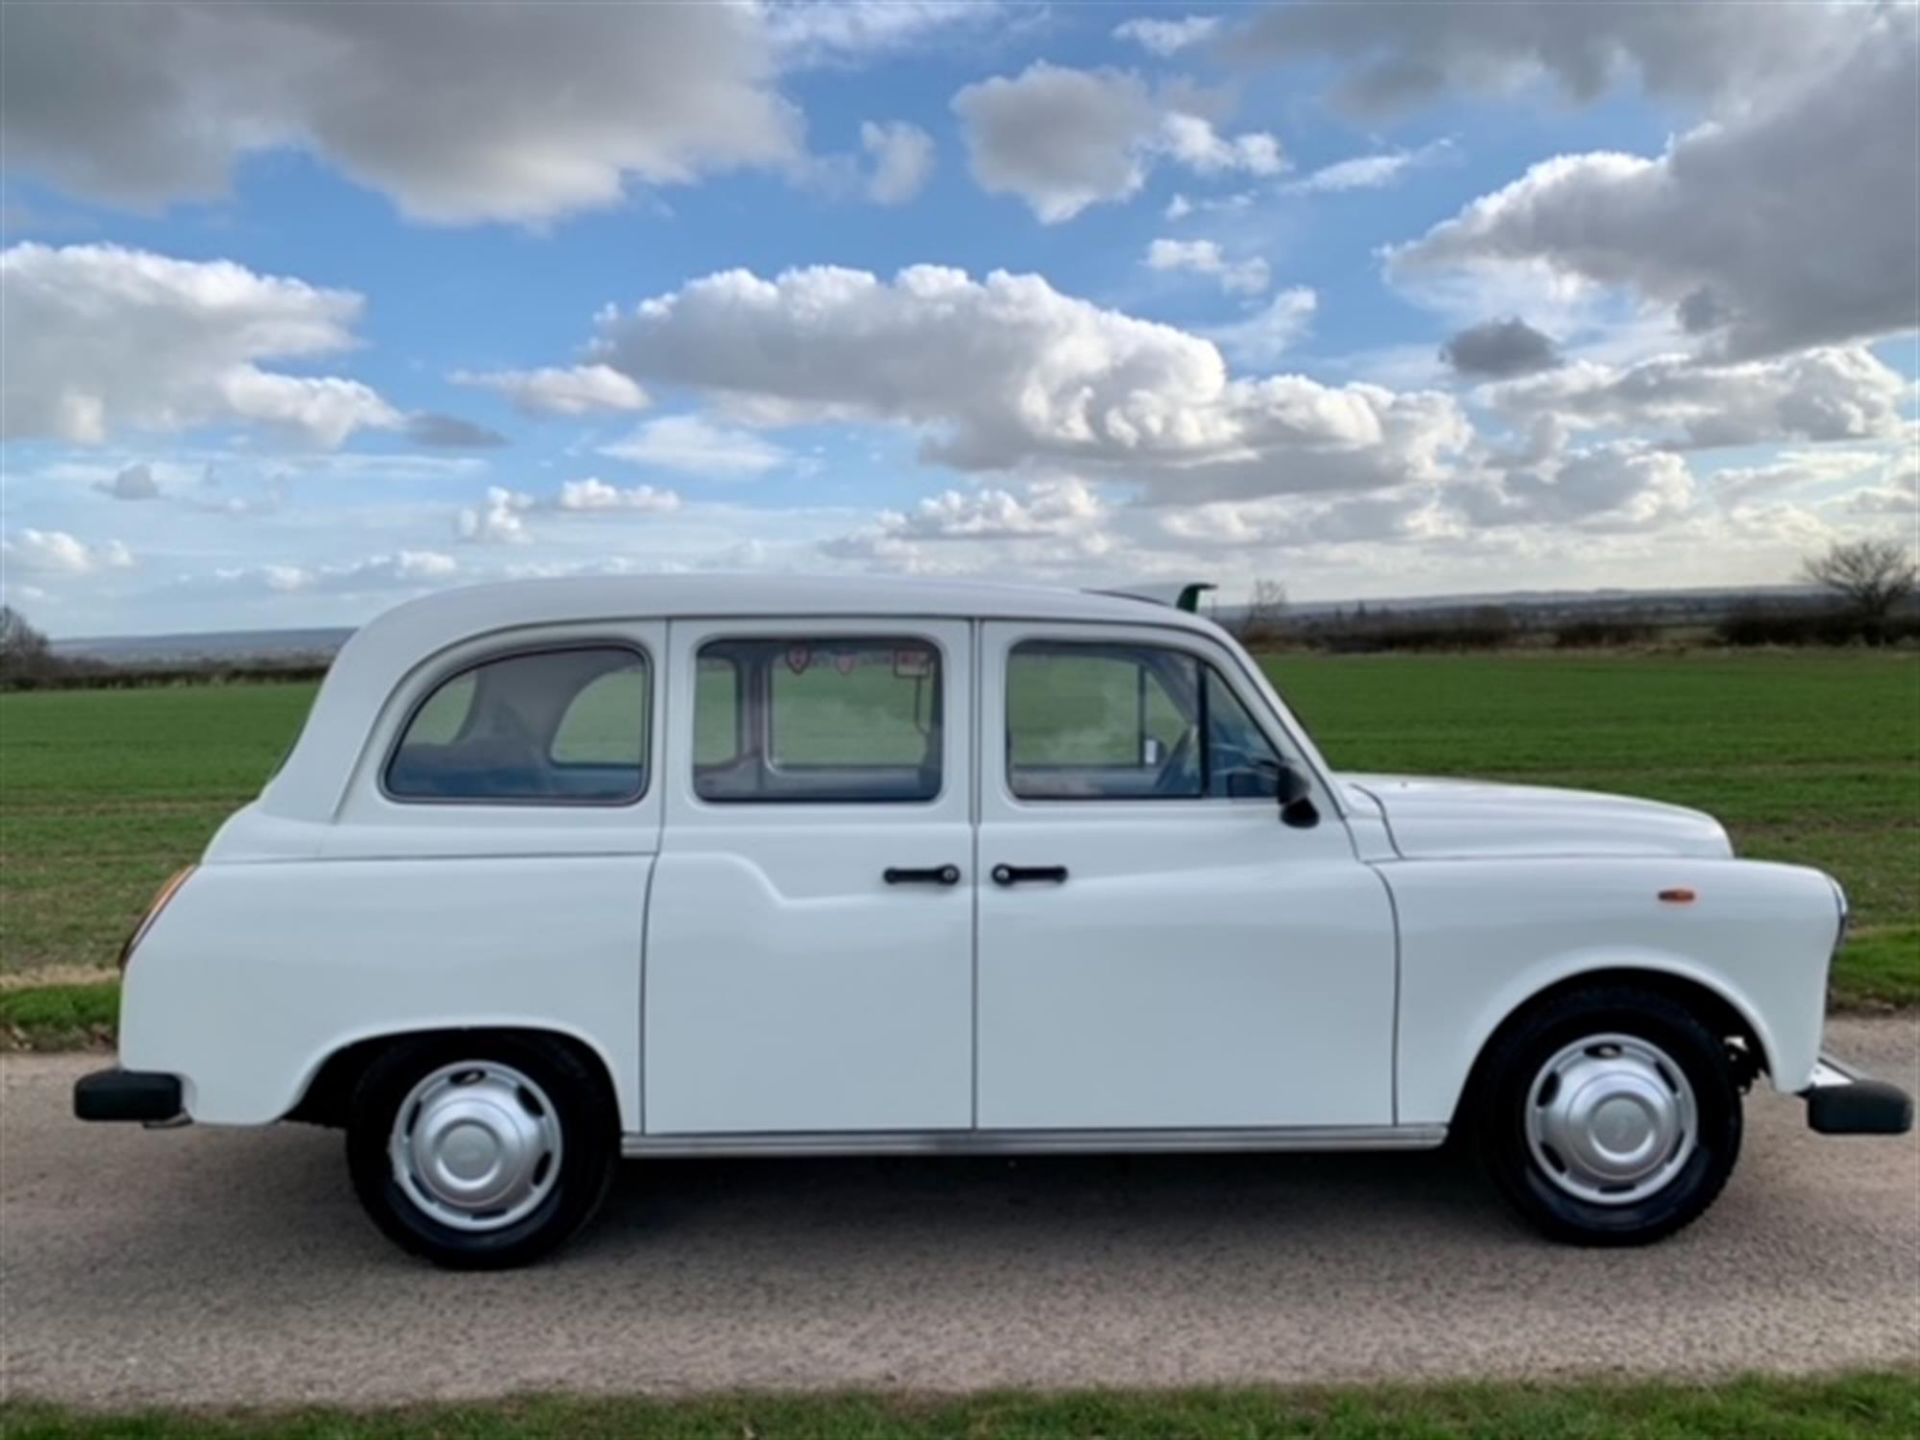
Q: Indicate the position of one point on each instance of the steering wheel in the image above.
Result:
(1168, 780)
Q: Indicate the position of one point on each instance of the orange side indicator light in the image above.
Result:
(1677, 895)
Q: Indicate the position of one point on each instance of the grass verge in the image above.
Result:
(1878, 968)
(59, 1017)
(1859, 1407)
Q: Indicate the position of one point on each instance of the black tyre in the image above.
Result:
(481, 1152)
(1608, 1116)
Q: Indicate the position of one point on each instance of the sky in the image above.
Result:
(305, 309)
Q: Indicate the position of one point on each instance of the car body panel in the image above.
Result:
(788, 985)
(255, 974)
(1201, 965)
(1449, 819)
(1479, 938)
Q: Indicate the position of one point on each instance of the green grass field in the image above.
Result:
(1807, 757)
(1853, 1407)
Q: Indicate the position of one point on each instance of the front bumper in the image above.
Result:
(118, 1094)
(1842, 1101)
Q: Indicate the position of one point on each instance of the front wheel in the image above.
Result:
(1609, 1116)
(481, 1152)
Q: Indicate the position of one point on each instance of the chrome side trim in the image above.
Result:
(1041, 1142)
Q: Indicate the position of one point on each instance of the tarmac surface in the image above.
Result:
(233, 1267)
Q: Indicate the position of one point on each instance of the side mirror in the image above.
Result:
(1296, 799)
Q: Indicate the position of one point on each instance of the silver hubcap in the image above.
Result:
(1611, 1119)
(476, 1145)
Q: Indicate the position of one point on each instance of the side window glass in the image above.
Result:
(1103, 722)
(718, 735)
(822, 721)
(1241, 763)
(555, 727)
(1129, 722)
(596, 728)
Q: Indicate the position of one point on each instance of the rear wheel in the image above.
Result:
(1609, 1116)
(481, 1152)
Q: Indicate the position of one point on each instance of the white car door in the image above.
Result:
(809, 950)
(1157, 948)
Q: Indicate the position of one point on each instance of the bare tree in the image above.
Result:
(1266, 611)
(1872, 577)
(23, 649)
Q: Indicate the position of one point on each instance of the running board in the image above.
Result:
(1041, 1142)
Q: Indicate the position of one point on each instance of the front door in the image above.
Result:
(1156, 947)
(809, 949)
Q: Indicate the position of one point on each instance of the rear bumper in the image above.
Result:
(118, 1094)
(1842, 1101)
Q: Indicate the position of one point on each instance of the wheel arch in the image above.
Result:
(329, 1084)
(1716, 1006)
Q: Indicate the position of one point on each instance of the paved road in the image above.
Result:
(235, 1268)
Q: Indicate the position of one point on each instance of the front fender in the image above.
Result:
(1479, 939)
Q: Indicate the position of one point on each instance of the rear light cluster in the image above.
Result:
(165, 893)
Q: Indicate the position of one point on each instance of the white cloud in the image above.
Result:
(1192, 141)
(818, 32)
(506, 111)
(595, 494)
(694, 446)
(1050, 523)
(1203, 257)
(1167, 37)
(560, 390)
(1620, 485)
(1180, 207)
(55, 552)
(1788, 226)
(133, 482)
(101, 340)
(1792, 470)
(1062, 139)
(400, 570)
(1046, 507)
(902, 160)
(1402, 55)
(1263, 337)
(1367, 172)
(1885, 502)
(500, 520)
(1006, 372)
(1838, 393)
(1294, 523)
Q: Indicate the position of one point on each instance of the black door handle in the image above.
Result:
(1021, 874)
(932, 875)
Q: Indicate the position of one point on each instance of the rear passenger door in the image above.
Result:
(809, 955)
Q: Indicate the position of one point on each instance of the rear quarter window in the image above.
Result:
(557, 727)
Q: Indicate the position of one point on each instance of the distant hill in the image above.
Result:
(219, 645)
(1703, 605)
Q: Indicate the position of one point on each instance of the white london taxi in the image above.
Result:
(566, 870)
